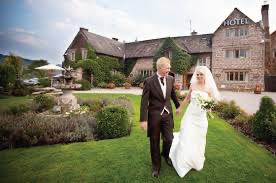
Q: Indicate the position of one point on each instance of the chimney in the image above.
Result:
(265, 16)
(116, 39)
(193, 33)
(83, 29)
(267, 43)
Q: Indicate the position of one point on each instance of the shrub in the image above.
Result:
(85, 84)
(43, 103)
(45, 82)
(112, 122)
(31, 129)
(138, 79)
(242, 118)
(110, 85)
(118, 79)
(121, 101)
(8, 76)
(263, 122)
(220, 106)
(230, 110)
(20, 89)
(94, 104)
(102, 85)
(141, 85)
(18, 109)
(127, 85)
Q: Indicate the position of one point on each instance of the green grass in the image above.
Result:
(230, 157)
(7, 101)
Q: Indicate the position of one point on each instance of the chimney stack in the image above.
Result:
(193, 33)
(265, 17)
(83, 29)
(267, 43)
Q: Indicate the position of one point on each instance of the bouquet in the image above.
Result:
(207, 104)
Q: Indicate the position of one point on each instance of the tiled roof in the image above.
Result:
(191, 44)
(146, 48)
(105, 45)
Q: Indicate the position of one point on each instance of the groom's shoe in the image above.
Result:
(155, 173)
(168, 161)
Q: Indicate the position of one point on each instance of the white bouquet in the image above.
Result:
(207, 104)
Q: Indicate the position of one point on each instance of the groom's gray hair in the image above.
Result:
(161, 62)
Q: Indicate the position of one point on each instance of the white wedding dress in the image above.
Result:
(188, 146)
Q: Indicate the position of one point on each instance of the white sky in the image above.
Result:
(47, 28)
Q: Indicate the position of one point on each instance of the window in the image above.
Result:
(73, 56)
(84, 54)
(146, 72)
(236, 53)
(170, 54)
(236, 76)
(228, 54)
(227, 33)
(201, 61)
(274, 54)
(236, 32)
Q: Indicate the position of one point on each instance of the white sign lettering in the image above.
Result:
(236, 21)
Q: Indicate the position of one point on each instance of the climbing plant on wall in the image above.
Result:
(181, 62)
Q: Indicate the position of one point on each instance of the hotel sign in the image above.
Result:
(236, 21)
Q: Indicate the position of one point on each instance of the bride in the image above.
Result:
(188, 146)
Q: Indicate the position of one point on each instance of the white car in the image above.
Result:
(32, 81)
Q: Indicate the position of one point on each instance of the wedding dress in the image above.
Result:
(188, 146)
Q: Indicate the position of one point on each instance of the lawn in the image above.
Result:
(7, 101)
(230, 157)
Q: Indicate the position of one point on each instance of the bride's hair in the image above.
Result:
(210, 84)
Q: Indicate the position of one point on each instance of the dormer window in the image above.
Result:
(201, 62)
(73, 57)
(168, 54)
(84, 54)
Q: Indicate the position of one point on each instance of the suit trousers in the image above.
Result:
(164, 124)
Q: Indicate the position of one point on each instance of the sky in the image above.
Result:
(43, 29)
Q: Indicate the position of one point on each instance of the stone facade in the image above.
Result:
(272, 68)
(240, 53)
(231, 69)
(143, 66)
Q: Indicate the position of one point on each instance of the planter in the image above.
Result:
(258, 89)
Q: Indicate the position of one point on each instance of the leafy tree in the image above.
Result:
(181, 61)
(8, 76)
(16, 62)
(35, 72)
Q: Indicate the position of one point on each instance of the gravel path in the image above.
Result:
(248, 101)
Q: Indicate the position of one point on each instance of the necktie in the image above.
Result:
(162, 80)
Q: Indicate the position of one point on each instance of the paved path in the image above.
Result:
(248, 101)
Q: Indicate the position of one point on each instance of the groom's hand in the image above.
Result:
(144, 125)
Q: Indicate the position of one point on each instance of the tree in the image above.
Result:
(181, 62)
(8, 76)
(34, 72)
(14, 61)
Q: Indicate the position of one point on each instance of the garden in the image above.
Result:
(231, 156)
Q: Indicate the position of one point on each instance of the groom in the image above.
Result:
(156, 113)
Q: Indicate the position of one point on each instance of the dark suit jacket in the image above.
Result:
(153, 101)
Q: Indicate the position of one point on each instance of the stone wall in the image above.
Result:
(273, 54)
(253, 64)
(142, 64)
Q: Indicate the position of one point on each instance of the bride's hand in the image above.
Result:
(178, 110)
